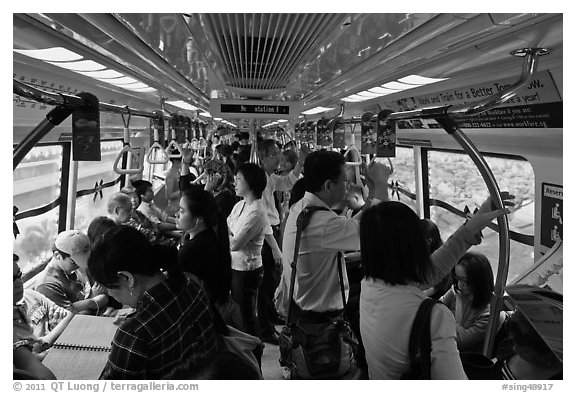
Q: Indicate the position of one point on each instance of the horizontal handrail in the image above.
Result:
(74, 102)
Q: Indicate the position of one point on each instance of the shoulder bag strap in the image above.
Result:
(420, 337)
(341, 279)
(301, 223)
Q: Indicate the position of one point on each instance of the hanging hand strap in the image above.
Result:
(301, 223)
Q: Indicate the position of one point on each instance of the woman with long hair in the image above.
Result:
(204, 249)
(171, 332)
(469, 300)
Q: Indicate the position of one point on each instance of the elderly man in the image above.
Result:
(121, 210)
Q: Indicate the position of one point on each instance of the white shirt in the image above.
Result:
(247, 224)
(317, 286)
(276, 183)
(387, 313)
(152, 212)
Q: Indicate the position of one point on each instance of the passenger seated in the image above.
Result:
(434, 240)
(60, 281)
(38, 321)
(169, 309)
(531, 357)
(98, 227)
(121, 212)
(469, 300)
(397, 267)
(149, 208)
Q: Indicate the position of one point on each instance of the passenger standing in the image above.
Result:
(171, 186)
(317, 285)
(397, 266)
(269, 155)
(171, 333)
(247, 224)
(204, 249)
(434, 241)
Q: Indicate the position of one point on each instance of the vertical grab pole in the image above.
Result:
(504, 236)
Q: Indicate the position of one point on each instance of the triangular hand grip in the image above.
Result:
(174, 145)
(131, 171)
(157, 146)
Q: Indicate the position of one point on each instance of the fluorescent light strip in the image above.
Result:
(135, 86)
(104, 74)
(380, 90)
(50, 54)
(348, 99)
(126, 80)
(82, 65)
(419, 80)
(398, 86)
(183, 105)
(318, 109)
(369, 95)
(144, 90)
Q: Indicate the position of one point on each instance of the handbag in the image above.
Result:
(316, 345)
(420, 344)
(238, 354)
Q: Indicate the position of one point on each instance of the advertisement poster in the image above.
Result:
(368, 134)
(386, 132)
(537, 105)
(551, 223)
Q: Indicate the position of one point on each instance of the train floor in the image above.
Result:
(271, 368)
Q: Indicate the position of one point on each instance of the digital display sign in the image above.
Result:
(255, 109)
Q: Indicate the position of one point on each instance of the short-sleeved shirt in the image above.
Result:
(169, 335)
(152, 212)
(63, 289)
(247, 224)
(38, 309)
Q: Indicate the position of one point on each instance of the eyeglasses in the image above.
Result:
(458, 278)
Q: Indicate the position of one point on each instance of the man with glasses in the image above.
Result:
(60, 282)
(317, 285)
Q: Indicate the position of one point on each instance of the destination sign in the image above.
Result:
(255, 109)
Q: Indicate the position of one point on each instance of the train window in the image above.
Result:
(36, 194)
(404, 175)
(96, 182)
(456, 183)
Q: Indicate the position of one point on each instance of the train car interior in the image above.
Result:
(462, 105)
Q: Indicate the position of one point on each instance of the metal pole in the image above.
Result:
(503, 229)
(53, 118)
